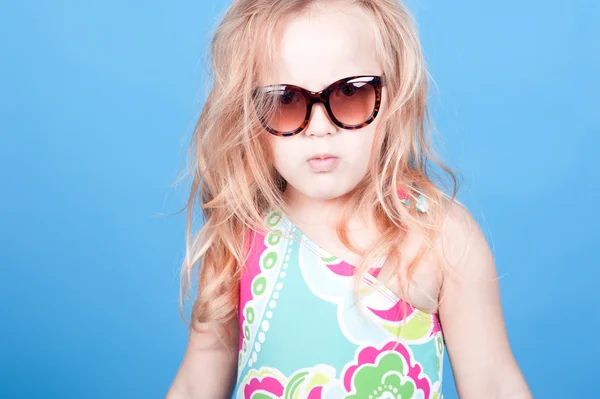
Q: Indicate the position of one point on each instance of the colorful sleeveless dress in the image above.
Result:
(303, 335)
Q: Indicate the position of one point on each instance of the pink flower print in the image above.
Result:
(400, 311)
(398, 316)
(315, 393)
(402, 194)
(262, 387)
(345, 269)
(269, 383)
(390, 369)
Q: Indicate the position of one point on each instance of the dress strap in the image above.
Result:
(422, 203)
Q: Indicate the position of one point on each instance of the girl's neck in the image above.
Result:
(317, 212)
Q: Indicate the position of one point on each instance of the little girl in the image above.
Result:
(331, 264)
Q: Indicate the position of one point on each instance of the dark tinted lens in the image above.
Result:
(352, 103)
(285, 110)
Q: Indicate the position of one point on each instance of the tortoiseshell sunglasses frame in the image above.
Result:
(313, 97)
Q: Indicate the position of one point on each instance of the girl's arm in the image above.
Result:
(471, 315)
(209, 366)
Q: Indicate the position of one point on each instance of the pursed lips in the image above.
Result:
(322, 156)
(323, 162)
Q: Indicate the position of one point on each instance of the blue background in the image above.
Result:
(98, 99)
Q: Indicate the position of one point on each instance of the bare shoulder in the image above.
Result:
(456, 250)
(461, 244)
(470, 311)
(429, 257)
(457, 238)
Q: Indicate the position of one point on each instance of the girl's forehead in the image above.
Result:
(319, 47)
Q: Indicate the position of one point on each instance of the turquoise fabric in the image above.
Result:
(304, 335)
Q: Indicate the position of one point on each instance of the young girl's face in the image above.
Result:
(331, 42)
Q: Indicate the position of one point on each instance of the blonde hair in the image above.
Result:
(232, 170)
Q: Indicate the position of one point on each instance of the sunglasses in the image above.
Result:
(351, 103)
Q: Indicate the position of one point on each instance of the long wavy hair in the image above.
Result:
(231, 168)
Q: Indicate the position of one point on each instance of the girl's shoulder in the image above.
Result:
(455, 234)
(459, 239)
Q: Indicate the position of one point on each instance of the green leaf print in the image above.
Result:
(293, 384)
(381, 379)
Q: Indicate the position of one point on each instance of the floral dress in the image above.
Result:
(303, 335)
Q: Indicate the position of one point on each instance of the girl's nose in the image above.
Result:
(319, 123)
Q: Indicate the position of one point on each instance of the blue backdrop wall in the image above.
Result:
(98, 99)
